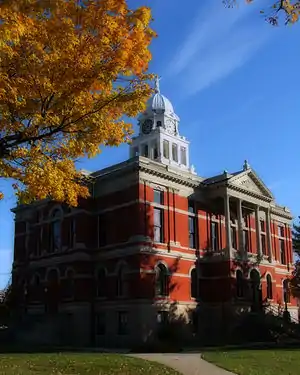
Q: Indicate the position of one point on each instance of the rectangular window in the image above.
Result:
(282, 252)
(145, 150)
(166, 149)
(158, 196)
(122, 323)
(233, 237)
(263, 244)
(214, 236)
(280, 231)
(183, 155)
(192, 232)
(191, 206)
(72, 228)
(155, 151)
(262, 226)
(175, 152)
(245, 220)
(246, 240)
(158, 225)
(100, 323)
(39, 240)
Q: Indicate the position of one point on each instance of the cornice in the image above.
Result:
(170, 175)
(281, 212)
(248, 192)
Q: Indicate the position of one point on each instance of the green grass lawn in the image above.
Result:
(79, 364)
(257, 362)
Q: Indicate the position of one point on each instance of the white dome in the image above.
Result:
(160, 103)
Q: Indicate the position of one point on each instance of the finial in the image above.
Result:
(157, 79)
(225, 171)
(246, 165)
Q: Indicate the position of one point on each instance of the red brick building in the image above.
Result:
(153, 235)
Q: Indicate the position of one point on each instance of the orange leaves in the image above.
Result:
(289, 8)
(68, 75)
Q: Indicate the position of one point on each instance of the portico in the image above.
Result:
(247, 204)
(238, 213)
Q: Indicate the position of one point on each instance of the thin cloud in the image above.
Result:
(220, 41)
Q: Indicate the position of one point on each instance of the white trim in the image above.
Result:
(162, 262)
(265, 277)
(191, 269)
(255, 268)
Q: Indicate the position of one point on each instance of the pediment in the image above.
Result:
(248, 180)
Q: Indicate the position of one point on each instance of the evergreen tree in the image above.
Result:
(295, 279)
(296, 237)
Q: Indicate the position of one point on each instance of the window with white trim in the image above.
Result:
(175, 152)
(56, 231)
(161, 281)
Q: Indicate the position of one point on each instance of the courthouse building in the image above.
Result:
(155, 241)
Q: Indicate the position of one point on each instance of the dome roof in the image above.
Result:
(160, 103)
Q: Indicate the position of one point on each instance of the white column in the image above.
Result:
(161, 147)
(258, 232)
(240, 226)
(269, 239)
(227, 223)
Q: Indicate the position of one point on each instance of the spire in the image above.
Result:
(157, 79)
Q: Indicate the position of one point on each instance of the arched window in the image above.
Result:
(52, 291)
(161, 281)
(269, 287)
(36, 280)
(122, 282)
(69, 284)
(36, 287)
(256, 290)
(194, 283)
(239, 284)
(56, 231)
(286, 291)
(101, 283)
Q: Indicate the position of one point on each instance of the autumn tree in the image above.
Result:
(71, 73)
(289, 9)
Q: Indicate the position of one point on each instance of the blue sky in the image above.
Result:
(234, 81)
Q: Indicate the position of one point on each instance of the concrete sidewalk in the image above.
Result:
(185, 363)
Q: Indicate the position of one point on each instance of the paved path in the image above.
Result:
(186, 363)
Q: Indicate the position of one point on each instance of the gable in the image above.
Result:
(249, 181)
